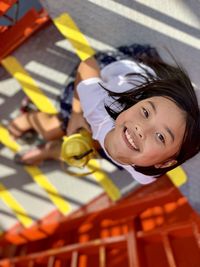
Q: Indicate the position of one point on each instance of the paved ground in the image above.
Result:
(174, 25)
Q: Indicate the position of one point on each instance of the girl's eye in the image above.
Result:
(161, 137)
(145, 112)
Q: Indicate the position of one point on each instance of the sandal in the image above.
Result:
(35, 156)
(19, 127)
(31, 157)
(29, 136)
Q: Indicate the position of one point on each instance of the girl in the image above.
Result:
(144, 115)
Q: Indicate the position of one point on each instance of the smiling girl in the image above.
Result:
(145, 116)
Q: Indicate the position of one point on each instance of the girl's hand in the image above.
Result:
(76, 121)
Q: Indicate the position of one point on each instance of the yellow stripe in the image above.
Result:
(178, 176)
(28, 85)
(41, 180)
(62, 205)
(69, 29)
(19, 211)
(8, 199)
(101, 177)
(6, 140)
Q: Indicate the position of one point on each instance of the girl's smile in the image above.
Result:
(149, 133)
(130, 139)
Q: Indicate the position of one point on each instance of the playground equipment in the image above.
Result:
(154, 226)
(20, 29)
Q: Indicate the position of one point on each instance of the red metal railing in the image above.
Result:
(149, 228)
(20, 29)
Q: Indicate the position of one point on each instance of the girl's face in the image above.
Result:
(149, 133)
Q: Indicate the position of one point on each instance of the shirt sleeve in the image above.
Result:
(91, 94)
(92, 97)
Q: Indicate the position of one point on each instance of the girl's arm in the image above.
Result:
(87, 69)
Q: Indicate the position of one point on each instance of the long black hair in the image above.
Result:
(173, 83)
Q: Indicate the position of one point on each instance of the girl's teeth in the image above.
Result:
(130, 139)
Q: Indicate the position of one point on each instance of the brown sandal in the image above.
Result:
(35, 160)
(40, 153)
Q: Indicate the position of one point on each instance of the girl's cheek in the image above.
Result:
(120, 119)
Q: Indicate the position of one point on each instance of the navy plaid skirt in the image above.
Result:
(138, 52)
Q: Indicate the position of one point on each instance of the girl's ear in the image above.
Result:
(166, 164)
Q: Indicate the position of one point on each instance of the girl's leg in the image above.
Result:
(35, 156)
(49, 126)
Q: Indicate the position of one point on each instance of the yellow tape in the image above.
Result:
(62, 205)
(29, 86)
(6, 140)
(101, 177)
(6, 197)
(69, 29)
(18, 210)
(177, 176)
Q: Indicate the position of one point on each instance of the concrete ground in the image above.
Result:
(169, 25)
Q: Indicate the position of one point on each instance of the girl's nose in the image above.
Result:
(139, 131)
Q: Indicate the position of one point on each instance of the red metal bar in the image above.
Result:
(67, 250)
(21, 30)
(132, 246)
(51, 261)
(5, 5)
(196, 233)
(168, 251)
(74, 259)
(102, 256)
(184, 226)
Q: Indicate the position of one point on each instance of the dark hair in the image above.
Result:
(173, 83)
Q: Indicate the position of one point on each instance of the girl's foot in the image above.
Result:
(37, 155)
(32, 157)
(48, 126)
(19, 125)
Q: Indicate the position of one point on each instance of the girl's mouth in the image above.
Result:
(129, 140)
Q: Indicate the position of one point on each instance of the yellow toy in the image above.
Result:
(77, 150)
